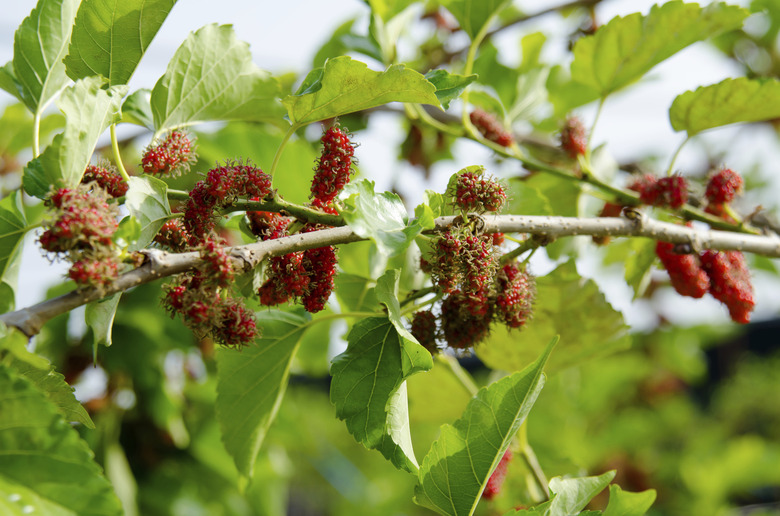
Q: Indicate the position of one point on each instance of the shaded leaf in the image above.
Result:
(13, 226)
(527, 200)
(473, 15)
(251, 383)
(46, 455)
(356, 293)
(39, 46)
(728, 102)
(387, 9)
(8, 81)
(449, 86)
(40, 372)
(212, 77)
(137, 109)
(110, 37)
(89, 109)
(571, 495)
(99, 315)
(369, 390)
(457, 467)
(379, 216)
(626, 48)
(624, 503)
(147, 201)
(344, 86)
(566, 305)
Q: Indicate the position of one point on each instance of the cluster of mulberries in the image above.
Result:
(173, 236)
(490, 128)
(334, 166)
(80, 230)
(574, 137)
(722, 187)
(170, 157)
(671, 191)
(106, 177)
(202, 300)
(473, 191)
(723, 274)
(221, 187)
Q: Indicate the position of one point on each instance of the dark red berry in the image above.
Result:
(498, 238)
(461, 328)
(334, 166)
(574, 137)
(723, 186)
(496, 480)
(424, 330)
(236, 326)
(669, 191)
(94, 273)
(490, 128)
(685, 271)
(321, 265)
(107, 178)
(173, 236)
(268, 225)
(171, 156)
(730, 282)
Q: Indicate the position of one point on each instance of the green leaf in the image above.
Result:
(89, 109)
(356, 293)
(13, 225)
(99, 315)
(386, 292)
(39, 371)
(566, 305)
(571, 495)
(8, 81)
(18, 500)
(212, 77)
(369, 389)
(16, 129)
(626, 48)
(459, 464)
(110, 37)
(45, 454)
(251, 383)
(527, 200)
(623, 503)
(728, 102)
(449, 86)
(637, 256)
(473, 15)
(344, 86)
(137, 109)
(39, 46)
(147, 201)
(381, 217)
(387, 9)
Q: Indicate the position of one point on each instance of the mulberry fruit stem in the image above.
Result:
(451, 363)
(117, 156)
(529, 457)
(670, 169)
(279, 151)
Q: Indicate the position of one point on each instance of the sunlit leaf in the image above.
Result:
(571, 495)
(39, 46)
(45, 454)
(110, 37)
(626, 48)
(147, 201)
(457, 467)
(137, 109)
(12, 229)
(212, 77)
(728, 102)
(624, 503)
(251, 383)
(89, 109)
(473, 15)
(566, 305)
(344, 86)
(449, 86)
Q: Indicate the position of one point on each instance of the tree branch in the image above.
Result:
(158, 264)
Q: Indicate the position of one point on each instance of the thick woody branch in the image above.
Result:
(158, 264)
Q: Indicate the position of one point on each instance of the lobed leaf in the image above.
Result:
(45, 454)
(728, 102)
(89, 109)
(566, 305)
(379, 216)
(344, 86)
(40, 372)
(474, 15)
(449, 86)
(251, 383)
(147, 201)
(13, 225)
(212, 77)
(457, 467)
(40, 43)
(626, 48)
(110, 37)
(369, 380)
